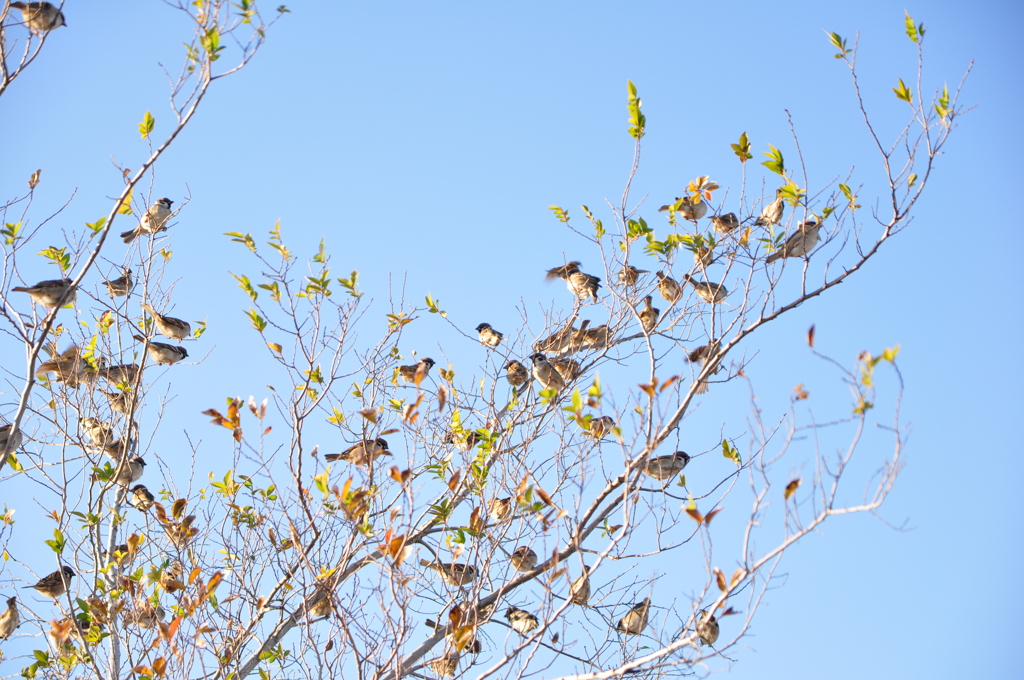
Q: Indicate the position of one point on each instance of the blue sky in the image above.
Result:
(425, 143)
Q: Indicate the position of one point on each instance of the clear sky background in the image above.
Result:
(425, 142)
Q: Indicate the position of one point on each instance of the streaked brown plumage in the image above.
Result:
(772, 213)
(708, 628)
(580, 284)
(50, 294)
(122, 373)
(800, 243)
(668, 287)
(562, 340)
(445, 666)
(170, 577)
(322, 609)
(579, 591)
(68, 367)
(465, 442)
(516, 374)
(704, 354)
(153, 221)
(175, 329)
(10, 619)
(122, 285)
(725, 223)
(629, 275)
(140, 498)
(666, 467)
(635, 621)
(421, 368)
(521, 620)
(453, 574)
(121, 555)
(40, 17)
(163, 354)
(489, 336)
(599, 427)
(9, 440)
(97, 432)
(704, 256)
(363, 453)
(130, 472)
(523, 558)
(180, 535)
(120, 401)
(145, 615)
(687, 208)
(501, 508)
(546, 374)
(708, 292)
(56, 584)
(595, 338)
(649, 315)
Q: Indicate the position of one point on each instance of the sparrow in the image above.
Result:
(119, 401)
(629, 275)
(579, 591)
(704, 354)
(635, 621)
(175, 329)
(521, 621)
(68, 367)
(322, 609)
(561, 340)
(162, 353)
(130, 473)
(489, 336)
(800, 243)
(120, 555)
(523, 558)
(452, 573)
(7, 440)
(56, 584)
(363, 453)
(772, 213)
(569, 369)
(10, 619)
(703, 256)
(180, 535)
(152, 222)
(417, 372)
(581, 285)
(708, 292)
(687, 208)
(599, 427)
(445, 666)
(40, 17)
(465, 442)
(516, 374)
(546, 374)
(140, 498)
(98, 433)
(122, 285)
(145, 615)
(122, 373)
(668, 287)
(170, 578)
(61, 631)
(114, 450)
(725, 223)
(649, 315)
(707, 628)
(595, 338)
(666, 467)
(501, 508)
(51, 294)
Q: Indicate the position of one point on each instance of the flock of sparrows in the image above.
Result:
(72, 368)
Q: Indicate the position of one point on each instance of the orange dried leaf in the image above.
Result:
(737, 576)
(695, 514)
(390, 430)
(442, 397)
(649, 389)
(669, 382)
(178, 509)
(710, 515)
(370, 414)
(544, 497)
(810, 336)
(720, 579)
(453, 483)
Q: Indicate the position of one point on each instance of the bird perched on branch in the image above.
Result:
(489, 336)
(666, 467)
(40, 17)
(122, 373)
(772, 213)
(629, 275)
(97, 432)
(130, 473)
(9, 441)
(649, 315)
(686, 207)
(121, 402)
(145, 615)
(521, 620)
(668, 287)
(465, 442)
(453, 574)
(501, 508)
(10, 619)
(68, 367)
(703, 256)
(363, 453)
(417, 372)
(152, 222)
(581, 285)
(594, 338)
(445, 665)
(599, 427)
(51, 294)
(705, 354)
(523, 558)
(516, 374)
(569, 369)
(162, 353)
(725, 223)
(122, 285)
(175, 329)
(635, 621)
(579, 591)
(708, 292)
(707, 628)
(56, 584)
(800, 243)
(546, 374)
(140, 498)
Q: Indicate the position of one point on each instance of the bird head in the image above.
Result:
(68, 571)
(428, 362)
(165, 202)
(482, 326)
(381, 443)
(12, 602)
(537, 357)
(184, 352)
(512, 363)
(139, 461)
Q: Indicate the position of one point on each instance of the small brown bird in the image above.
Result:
(9, 441)
(68, 367)
(629, 275)
(523, 558)
(121, 555)
(122, 373)
(152, 222)
(122, 285)
(707, 628)
(635, 621)
(416, 372)
(521, 620)
(363, 453)
(800, 243)
(98, 433)
(708, 292)
(668, 287)
(175, 329)
(686, 207)
(704, 354)
(704, 256)
(516, 374)
(569, 369)
(772, 213)
(579, 591)
(62, 631)
(725, 223)
(599, 427)
(489, 336)
(666, 467)
(445, 666)
(140, 498)
(40, 17)
(546, 374)
(56, 584)
(51, 294)
(465, 442)
(562, 340)
(595, 338)
(145, 615)
(453, 574)
(170, 577)
(10, 619)
(120, 401)
(130, 472)
(501, 508)
(322, 609)
(180, 535)
(581, 285)
(162, 353)
(649, 315)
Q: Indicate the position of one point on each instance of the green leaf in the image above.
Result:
(839, 43)
(775, 162)
(903, 92)
(742, 149)
(911, 28)
(637, 120)
(258, 322)
(11, 229)
(321, 254)
(350, 285)
(247, 239)
(58, 542)
(58, 256)
(146, 126)
(912, 180)
(246, 285)
(730, 452)
(560, 213)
